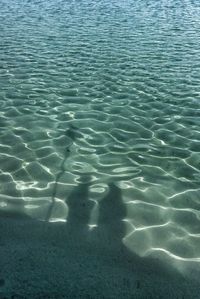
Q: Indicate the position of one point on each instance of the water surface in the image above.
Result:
(105, 92)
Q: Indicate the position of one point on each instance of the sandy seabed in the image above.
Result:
(59, 260)
(99, 109)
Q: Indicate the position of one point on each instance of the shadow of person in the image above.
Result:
(103, 266)
(71, 260)
(79, 211)
(110, 226)
(71, 133)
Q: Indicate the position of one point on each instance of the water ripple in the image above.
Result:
(109, 90)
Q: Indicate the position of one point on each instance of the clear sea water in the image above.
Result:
(104, 96)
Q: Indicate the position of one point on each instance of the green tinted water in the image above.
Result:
(104, 92)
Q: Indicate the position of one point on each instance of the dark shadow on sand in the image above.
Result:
(74, 261)
(117, 272)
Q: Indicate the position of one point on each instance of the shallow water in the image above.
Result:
(98, 93)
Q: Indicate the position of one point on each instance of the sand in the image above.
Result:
(63, 260)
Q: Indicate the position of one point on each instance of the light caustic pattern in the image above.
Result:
(110, 91)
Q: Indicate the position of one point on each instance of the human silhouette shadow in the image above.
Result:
(71, 133)
(80, 208)
(100, 255)
(74, 260)
(110, 228)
